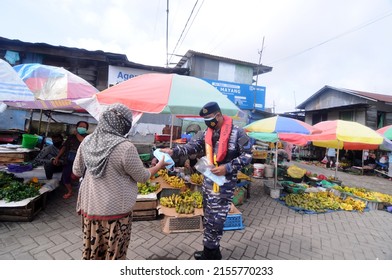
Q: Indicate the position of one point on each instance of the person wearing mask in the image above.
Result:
(228, 149)
(68, 151)
(111, 167)
(47, 155)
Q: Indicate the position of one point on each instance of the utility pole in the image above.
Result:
(167, 33)
(260, 52)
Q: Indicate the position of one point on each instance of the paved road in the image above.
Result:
(272, 231)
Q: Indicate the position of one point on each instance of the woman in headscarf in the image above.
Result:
(110, 166)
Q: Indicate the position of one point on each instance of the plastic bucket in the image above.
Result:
(29, 141)
(269, 171)
(258, 170)
(275, 193)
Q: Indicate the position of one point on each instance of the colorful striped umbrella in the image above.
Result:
(386, 131)
(166, 93)
(280, 128)
(348, 135)
(53, 87)
(12, 86)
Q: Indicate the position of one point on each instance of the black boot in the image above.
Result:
(208, 254)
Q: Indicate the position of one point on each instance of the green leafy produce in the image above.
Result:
(16, 191)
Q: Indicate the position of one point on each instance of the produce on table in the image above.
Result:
(17, 191)
(148, 187)
(365, 194)
(184, 202)
(6, 178)
(295, 172)
(174, 181)
(322, 202)
(322, 177)
(197, 178)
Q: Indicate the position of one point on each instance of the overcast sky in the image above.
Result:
(309, 43)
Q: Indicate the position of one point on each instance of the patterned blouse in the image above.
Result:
(113, 195)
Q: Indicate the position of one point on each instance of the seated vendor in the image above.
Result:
(46, 156)
(371, 160)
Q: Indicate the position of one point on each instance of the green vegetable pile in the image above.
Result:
(13, 188)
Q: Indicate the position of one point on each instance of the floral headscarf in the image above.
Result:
(113, 124)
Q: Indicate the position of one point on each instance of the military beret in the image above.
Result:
(209, 108)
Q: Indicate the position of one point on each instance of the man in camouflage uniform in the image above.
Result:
(230, 150)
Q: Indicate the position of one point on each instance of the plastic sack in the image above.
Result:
(296, 172)
(204, 168)
(19, 168)
(159, 155)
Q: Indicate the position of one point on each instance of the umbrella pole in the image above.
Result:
(48, 123)
(40, 121)
(30, 121)
(171, 131)
(363, 153)
(336, 164)
(276, 164)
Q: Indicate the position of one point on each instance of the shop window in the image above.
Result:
(319, 117)
(346, 116)
(380, 119)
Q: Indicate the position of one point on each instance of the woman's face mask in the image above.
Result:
(81, 130)
(211, 122)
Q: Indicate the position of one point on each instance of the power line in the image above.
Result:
(333, 38)
(192, 22)
(174, 50)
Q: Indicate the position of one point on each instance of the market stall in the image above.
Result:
(22, 199)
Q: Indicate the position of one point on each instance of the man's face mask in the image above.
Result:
(81, 130)
(211, 122)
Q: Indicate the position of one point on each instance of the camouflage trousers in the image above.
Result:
(216, 206)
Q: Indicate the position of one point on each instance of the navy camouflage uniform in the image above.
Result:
(216, 206)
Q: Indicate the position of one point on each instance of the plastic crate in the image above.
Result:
(168, 192)
(296, 189)
(233, 222)
(145, 157)
(182, 224)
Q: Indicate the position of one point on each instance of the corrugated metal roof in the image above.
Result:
(98, 55)
(367, 95)
(257, 69)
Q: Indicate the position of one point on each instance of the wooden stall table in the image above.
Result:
(10, 153)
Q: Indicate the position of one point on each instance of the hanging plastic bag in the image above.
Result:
(159, 155)
(204, 168)
(325, 160)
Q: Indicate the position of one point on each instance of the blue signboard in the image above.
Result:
(245, 96)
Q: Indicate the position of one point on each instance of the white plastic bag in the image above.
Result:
(159, 155)
(204, 168)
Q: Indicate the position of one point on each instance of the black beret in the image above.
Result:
(209, 108)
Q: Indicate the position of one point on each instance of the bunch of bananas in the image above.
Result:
(197, 178)
(162, 172)
(170, 201)
(174, 181)
(148, 187)
(359, 192)
(383, 197)
(350, 204)
(198, 199)
(323, 201)
(242, 176)
(185, 208)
